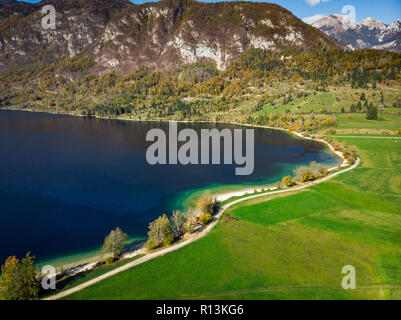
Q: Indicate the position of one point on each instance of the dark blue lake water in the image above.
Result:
(65, 182)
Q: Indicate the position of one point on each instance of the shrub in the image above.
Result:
(168, 239)
(109, 260)
(288, 181)
(205, 219)
(399, 131)
(338, 146)
(151, 244)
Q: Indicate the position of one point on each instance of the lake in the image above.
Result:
(66, 181)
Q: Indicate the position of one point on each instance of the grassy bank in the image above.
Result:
(281, 249)
(69, 261)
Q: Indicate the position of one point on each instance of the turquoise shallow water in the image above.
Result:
(67, 181)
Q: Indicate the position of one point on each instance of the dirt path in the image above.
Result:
(367, 137)
(197, 236)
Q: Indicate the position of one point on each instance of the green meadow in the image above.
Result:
(291, 246)
(358, 121)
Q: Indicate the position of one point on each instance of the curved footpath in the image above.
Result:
(197, 236)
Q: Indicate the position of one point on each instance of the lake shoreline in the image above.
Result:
(90, 257)
(148, 256)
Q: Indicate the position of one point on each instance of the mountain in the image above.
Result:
(120, 36)
(369, 33)
(78, 24)
(9, 8)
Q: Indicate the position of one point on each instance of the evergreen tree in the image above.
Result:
(372, 114)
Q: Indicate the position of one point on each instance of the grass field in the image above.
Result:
(75, 280)
(334, 99)
(291, 247)
(358, 121)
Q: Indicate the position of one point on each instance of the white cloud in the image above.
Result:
(310, 20)
(315, 2)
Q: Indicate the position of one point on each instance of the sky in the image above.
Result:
(386, 11)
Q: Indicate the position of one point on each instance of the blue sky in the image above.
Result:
(387, 11)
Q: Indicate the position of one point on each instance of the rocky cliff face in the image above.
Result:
(369, 33)
(78, 24)
(163, 35)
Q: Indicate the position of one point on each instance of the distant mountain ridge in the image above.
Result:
(369, 33)
(120, 36)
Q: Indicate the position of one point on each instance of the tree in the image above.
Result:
(206, 204)
(160, 232)
(351, 154)
(288, 181)
(205, 219)
(177, 219)
(318, 170)
(362, 98)
(18, 281)
(313, 172)
(359, 106)
(371, 114)
(303, 174)
(382, 99)
(114, 243)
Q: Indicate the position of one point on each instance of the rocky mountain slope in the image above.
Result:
(369, 33)
(163, 35)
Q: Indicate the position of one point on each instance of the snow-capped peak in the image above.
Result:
(369, 33)
(335, 20)
(396, 26)
(372, 24)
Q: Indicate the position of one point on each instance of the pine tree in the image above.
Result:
(371, 114)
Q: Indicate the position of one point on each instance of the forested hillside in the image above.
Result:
(260, 86)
